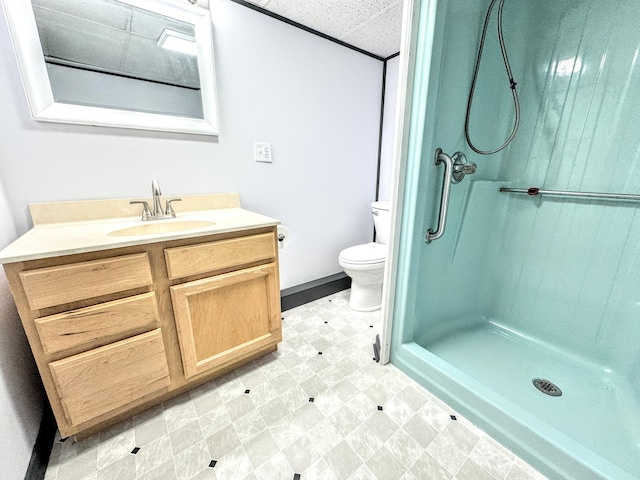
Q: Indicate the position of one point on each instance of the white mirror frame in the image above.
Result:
(26, 44)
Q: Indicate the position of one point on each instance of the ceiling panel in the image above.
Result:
(371, 25)
(381, 34)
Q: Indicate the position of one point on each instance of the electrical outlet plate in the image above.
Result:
(262, 152)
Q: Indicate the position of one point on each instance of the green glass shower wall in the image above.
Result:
(563, 271)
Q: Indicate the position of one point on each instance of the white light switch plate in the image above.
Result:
(262, 152)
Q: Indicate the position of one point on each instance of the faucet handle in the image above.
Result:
(146, 213)
(169, 209)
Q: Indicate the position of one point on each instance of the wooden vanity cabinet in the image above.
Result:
(116, 331)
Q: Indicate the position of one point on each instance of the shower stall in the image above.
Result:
(531, 280)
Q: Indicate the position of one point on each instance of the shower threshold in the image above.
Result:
(598, 408)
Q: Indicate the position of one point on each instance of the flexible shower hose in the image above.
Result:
(512, 83)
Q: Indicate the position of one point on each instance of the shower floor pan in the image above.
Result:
(598, 409)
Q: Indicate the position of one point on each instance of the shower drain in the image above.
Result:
(547, 387)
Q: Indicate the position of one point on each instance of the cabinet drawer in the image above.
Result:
(99, 324)
(46, 287)
(98, 381)
(208, 257)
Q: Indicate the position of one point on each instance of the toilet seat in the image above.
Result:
(365, 254)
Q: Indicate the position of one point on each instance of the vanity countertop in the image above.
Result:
(65, 228)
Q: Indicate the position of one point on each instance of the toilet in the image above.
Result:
(365, 263)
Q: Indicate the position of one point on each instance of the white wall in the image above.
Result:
(21, 399)
(318, 104)
(388, 127)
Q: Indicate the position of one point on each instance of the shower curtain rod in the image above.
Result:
(534, 191)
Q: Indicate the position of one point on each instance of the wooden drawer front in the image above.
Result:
(208, 257)
(51, 286)
(223, 318)
(98, 381)
(98, 325)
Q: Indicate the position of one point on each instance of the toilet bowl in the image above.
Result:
(365, 263)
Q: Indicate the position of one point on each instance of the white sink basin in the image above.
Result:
(160, 227)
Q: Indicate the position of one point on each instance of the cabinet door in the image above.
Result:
(227, 317)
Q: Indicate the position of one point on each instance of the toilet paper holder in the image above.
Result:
(283, 236)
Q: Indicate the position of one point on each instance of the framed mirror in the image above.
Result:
(145, 64)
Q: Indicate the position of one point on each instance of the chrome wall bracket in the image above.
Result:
(461, 167)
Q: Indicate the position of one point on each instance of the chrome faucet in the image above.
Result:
(157, 213)
(155, 192)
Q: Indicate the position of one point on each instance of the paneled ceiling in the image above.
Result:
(370, 25)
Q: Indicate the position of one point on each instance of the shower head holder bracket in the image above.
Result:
(461, 167)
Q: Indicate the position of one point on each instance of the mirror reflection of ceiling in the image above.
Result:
(371, 25)
(113, 37)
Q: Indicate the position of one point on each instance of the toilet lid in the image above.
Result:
(367, 253)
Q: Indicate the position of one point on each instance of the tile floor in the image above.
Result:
(318, 408)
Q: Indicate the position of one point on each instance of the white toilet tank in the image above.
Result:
(382, 221)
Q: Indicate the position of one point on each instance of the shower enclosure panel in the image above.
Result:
(520, 287)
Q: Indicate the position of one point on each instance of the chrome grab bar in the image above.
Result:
(441, 157)
(534, 191)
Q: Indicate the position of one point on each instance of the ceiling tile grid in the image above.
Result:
(371, 25)
(381, 34)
